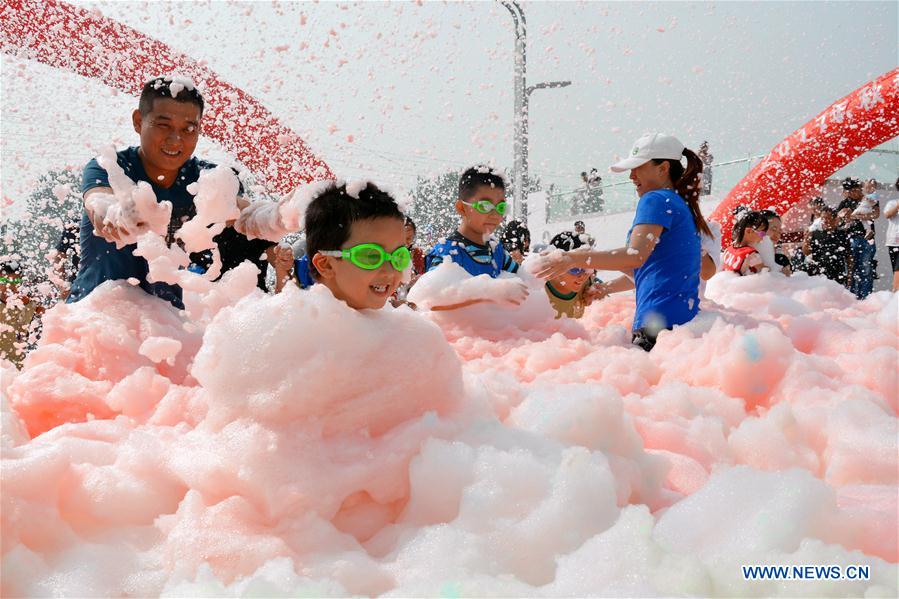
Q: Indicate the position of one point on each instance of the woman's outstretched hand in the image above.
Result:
(553, 263)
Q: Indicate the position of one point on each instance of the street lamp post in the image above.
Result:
(522, 101)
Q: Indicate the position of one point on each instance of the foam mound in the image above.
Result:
(287, 445)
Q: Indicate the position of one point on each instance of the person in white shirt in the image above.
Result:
(891, 213)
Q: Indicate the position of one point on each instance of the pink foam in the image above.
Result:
(255, 440)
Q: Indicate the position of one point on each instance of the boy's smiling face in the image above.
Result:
(358, 287)
(568, 283)
(477, 226)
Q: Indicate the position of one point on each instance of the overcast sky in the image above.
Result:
(423, 88)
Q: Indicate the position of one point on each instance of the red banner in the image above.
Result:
(87, 43)
(802, 162)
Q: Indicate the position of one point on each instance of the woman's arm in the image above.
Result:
(622, 283)
(601, 290)
(643, 241)
(707, 269)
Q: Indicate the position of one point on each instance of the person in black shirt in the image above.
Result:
(858, 214)
(234, 248)
(66, 259)
(167, 120)
(826, 248)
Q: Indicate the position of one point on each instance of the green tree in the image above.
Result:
(31, 233)
(433, 206)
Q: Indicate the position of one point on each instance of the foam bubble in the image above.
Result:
(294, 446)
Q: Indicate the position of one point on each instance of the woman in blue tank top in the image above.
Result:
(662, 257)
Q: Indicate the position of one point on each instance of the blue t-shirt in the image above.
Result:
(475, 258)
(102, 261)
(303, 270)
(667, 285)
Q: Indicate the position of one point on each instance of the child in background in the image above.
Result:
(418, 256)
(569, 293)
(17, 311)
(418, 265)
(816, 204)
(481, 205)
(742, 257)
(517, 240)
(303, 272)
(357, 245)
(775, 230)
(800, 261)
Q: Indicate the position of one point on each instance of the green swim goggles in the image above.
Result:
(10, 281)
(485, 206)
(370, 256)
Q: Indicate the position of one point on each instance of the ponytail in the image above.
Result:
(687, 183)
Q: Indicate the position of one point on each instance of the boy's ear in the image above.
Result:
(323, 265)
(136, 120)
(460, 207)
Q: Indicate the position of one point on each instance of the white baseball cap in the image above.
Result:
(652, 146)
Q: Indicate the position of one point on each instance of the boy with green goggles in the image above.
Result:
(347, 241)
(370, 256)
(486, 206)
(481, 206)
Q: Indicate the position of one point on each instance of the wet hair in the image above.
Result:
(411, 223)
(751, 219)
(580, 222)
(828, 211)
(477, 176)
(330, 216)
(687, 183)
(567, 240)
(850, 183)
(516, 237)
(770, 215)
(8, 268)
(160, 87)
(897, 184)
(739, 211)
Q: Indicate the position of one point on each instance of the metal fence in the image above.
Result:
(619, 195)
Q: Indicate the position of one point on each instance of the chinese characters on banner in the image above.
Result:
(849, 127)
(87, 43)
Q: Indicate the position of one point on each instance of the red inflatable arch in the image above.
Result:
(87, 43)
(864, 119)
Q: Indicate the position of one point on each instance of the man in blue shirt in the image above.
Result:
(168, 122)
